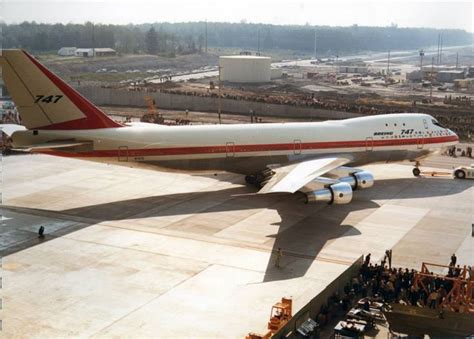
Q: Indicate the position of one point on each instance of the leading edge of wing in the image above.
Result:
(291, 178)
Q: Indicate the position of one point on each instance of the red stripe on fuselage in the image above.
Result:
(94, 119)
(255, 148)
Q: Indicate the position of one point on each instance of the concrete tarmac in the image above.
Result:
(132, 252)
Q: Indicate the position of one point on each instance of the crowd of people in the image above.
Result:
(464, 152)
(300, 100)
(10, 116)
(398, 284)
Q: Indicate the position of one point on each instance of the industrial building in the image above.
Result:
(364, 70)
(450, 76)
(67, 51)
(440, 73)
(245, 68)
(88, 52)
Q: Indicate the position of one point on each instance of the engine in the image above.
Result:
(340, 193)
(359, 180)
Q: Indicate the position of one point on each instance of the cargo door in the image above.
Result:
(297, 147)
(123, 154)
(369, 144)
(230, 149)
(420, 142)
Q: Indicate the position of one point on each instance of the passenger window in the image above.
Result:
(425, 123)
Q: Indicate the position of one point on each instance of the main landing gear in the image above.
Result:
(260, 179)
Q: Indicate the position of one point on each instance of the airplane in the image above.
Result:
(315, 159)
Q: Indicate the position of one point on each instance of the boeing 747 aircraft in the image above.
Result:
(311, 158)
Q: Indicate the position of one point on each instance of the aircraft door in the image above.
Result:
(369, 144)
(420, 142)
(230, 149)
(425, 124)
(297, 147)
(122, 154)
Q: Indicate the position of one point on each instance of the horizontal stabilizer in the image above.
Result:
(9, 129)
(52, 145)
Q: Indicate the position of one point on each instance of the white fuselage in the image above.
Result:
(247, 148)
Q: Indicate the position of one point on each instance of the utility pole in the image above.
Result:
(205, 39)
(388, 63)
(422, 53)
(315, 43)
(457, 60)
(437, 54)
(258, 42)
(431, 79)
(441, 50)
(219, 96)
(93, 40)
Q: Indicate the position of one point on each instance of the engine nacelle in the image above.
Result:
(359, 180)
(340, 193)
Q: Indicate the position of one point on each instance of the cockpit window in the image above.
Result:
(436, 123)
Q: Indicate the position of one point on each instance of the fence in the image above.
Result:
(312, 309)
(115, 97)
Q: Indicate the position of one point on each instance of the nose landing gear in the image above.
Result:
(416, 171)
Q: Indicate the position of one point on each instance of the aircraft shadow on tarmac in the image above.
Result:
(302, 232)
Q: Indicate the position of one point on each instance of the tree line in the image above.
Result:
(192, 37)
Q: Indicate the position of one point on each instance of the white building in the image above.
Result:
(88, 52)
(245, 68)
(84, 52)
(67, 51)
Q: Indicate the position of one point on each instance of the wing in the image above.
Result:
(292, 178)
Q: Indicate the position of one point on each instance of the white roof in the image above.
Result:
(244, 57)
(104, 49)
(96, 50)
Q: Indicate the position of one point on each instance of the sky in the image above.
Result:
(404, 13)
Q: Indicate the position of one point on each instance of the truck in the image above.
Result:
(464, 172)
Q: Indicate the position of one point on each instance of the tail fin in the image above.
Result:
(44, 101)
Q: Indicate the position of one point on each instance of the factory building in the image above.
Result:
(245, 68)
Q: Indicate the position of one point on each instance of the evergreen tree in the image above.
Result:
(151, 41)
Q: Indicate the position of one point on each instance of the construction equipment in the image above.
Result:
(280, 314)
(153, 116)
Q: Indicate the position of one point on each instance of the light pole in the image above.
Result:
(388, 63)
(219, 98)
(422, 53)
